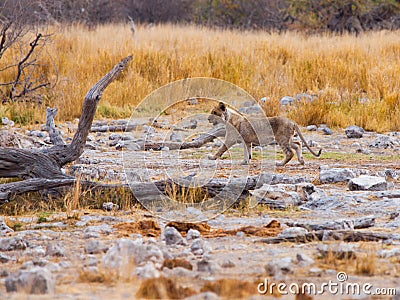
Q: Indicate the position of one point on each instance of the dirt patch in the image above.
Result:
(144, 227)
(183, 227)
(271, 229)
(162, 288)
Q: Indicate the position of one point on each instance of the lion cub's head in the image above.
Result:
(217, 114)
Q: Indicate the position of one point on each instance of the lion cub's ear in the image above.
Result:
(222, 106)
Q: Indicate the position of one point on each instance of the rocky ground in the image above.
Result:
(306, 237)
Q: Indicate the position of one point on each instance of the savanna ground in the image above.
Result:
(356, 81)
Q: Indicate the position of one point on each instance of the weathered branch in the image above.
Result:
(196, 143)
(66, 154)
(359, 223)
(54, 133)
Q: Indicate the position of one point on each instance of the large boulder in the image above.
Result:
(354, 131)
(332, 175)
(368, 183)
(34, 281)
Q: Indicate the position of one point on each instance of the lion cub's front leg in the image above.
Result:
(230, 140)
(247, 153)
(225, 146)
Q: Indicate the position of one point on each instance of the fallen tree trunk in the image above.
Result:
(196, 143)
(218, 188)
(336, 235)
(45, 164)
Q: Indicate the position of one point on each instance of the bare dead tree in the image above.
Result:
(24, 69)
(41, 169)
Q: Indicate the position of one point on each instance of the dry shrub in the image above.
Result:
(231, 288)
(162, 288)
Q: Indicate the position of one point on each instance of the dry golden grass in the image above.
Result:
(339, 69)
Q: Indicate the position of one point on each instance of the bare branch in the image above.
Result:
(20, 67)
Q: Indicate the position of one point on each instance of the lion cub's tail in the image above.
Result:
(296, 127)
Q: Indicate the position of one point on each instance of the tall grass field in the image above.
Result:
(356, 79)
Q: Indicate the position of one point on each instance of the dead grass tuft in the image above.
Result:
(354, 78)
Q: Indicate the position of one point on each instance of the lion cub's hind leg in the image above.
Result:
(287, 151)
(297, 147)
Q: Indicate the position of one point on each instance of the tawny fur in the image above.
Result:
(238, 126)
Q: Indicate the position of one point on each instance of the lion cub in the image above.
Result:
(238, 126)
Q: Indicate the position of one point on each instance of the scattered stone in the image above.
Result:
(192, 234)
(279, 266)
(109, 206)
(315, 271)
(283, 193)
(305, 97)
(191, 125)
(204, 296)
(311, 127)
(176, 137)
(148, 129)
(4, 258)
(384, 142)
(96, 229)
(341, 251)
(34, 281)
(93, 246)
(38, 133)
(332, 175)
(354, 132)
(286, 100)
(54, 250)
(13, 243)
(327, 131)
(240, 234)
(368, 183)
(200, 247)
(205, 265)
(389, 253)
(125, 251)
(293, 232)
(5, 121)
(363, 151)
(35, 251)
(173, 237)
(304, 260)
(252, 110)
(192, 101)
(228, 264)
(147, 271)
(4, 229)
